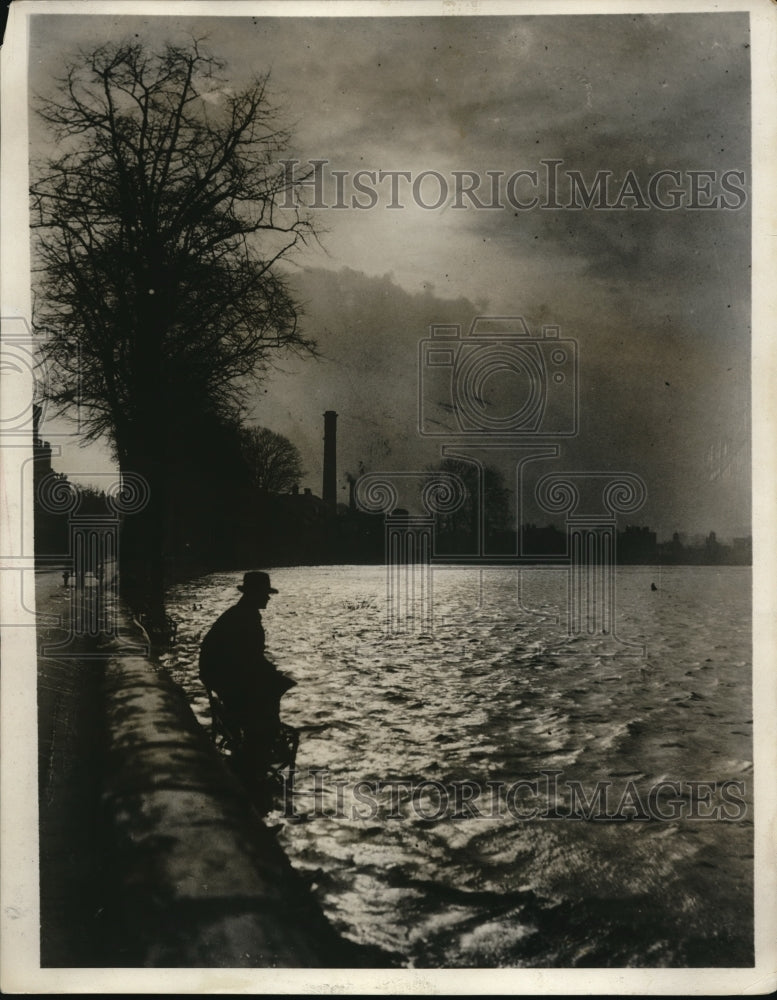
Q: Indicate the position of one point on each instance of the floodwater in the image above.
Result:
(544, 866)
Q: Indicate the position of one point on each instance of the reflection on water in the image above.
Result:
(500, 693)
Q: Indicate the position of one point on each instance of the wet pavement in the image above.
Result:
(69, 761)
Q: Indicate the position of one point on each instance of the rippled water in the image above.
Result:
(499, 692)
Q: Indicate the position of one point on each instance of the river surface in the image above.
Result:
(548, 865)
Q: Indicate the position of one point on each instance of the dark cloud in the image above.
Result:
(658, 301)
(648, 404)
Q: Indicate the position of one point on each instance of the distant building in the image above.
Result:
(637, 545)
(41, 450)
(51, 529)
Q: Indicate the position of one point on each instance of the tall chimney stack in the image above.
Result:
(330, 459)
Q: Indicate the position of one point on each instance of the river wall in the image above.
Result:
(136, 800)
(200, 880)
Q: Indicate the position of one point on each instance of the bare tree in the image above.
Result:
(159, 234)
(274, 463)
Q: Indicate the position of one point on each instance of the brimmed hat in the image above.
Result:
(257, 580)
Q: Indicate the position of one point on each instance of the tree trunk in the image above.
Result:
(143, 546)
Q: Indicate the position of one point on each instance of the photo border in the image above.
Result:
(19, 945)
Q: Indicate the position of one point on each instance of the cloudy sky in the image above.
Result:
(656, 299)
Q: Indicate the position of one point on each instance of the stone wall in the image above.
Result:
(198, 879)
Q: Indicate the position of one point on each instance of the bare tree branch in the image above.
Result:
(274, 463)
(159, 233)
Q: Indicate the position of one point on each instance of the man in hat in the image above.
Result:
(233, 664)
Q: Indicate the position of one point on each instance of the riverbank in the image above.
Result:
(151, 852)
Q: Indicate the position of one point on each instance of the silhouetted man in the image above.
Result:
(233, 664)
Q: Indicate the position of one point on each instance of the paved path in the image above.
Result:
(69, 757)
